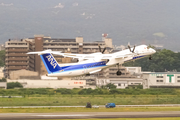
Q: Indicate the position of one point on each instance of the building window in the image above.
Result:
(178, 80)
(159, 80)
(119, 84)
(178, 76)
(159, 76)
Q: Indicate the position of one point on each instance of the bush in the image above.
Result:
(12, 85)
(111, 86)
(32, 91)
(85, 91)
(114, 91)
(3, 80)
(64, 91)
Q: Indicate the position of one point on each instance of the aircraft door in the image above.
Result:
(85, 69)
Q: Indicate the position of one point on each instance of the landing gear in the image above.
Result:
(88, 74)
(118, 72)
(150, 58)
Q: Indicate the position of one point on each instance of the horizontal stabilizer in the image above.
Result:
(44, 52)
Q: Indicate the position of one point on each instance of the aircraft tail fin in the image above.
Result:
(50, 63)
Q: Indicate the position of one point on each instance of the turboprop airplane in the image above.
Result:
(90, 63)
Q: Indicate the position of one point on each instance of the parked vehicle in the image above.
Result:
(88, 105)
(110, 105)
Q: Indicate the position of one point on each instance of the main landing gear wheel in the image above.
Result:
(118, 72)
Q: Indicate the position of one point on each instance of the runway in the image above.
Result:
(82, 115)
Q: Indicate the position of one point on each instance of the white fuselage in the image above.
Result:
(101, 62)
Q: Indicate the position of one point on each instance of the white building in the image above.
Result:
(161, 79)
(1, 72)
(3, 85)
(131, 76)
(134, 70)
(69, 84)
(121, 83)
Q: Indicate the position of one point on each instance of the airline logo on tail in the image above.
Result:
(52, 61)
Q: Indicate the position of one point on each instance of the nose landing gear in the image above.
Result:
(118, 72)
(150, 58)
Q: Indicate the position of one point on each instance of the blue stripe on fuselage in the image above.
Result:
(135, 58)
(83, 66)
(138, 57)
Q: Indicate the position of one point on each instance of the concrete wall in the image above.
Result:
(52, 83)
(15, 75)
(3, 85)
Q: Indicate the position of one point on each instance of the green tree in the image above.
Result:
(3, 80)
(2, 58)
(111, 86)
(162, 61)
(12, 85)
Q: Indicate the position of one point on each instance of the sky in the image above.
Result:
(134, 21)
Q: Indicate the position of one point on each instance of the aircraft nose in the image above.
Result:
(153, 51)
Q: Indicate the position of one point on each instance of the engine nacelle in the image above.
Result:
(80, 60)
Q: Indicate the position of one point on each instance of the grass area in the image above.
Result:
(74, 100)
(51, 110)
(169, 118)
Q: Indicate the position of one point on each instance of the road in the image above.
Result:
(79, 115)
(156, 105)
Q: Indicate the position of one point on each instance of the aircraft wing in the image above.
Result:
(124, 56)
(111, 56)
(120, 56)
(71, 55)
(79, 56)
(92, 56)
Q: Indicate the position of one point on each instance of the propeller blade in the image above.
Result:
(133, 49)
(99, 48)
(104, 50)
(129, 48)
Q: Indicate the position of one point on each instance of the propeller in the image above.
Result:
(130, 48)
(102, 51)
